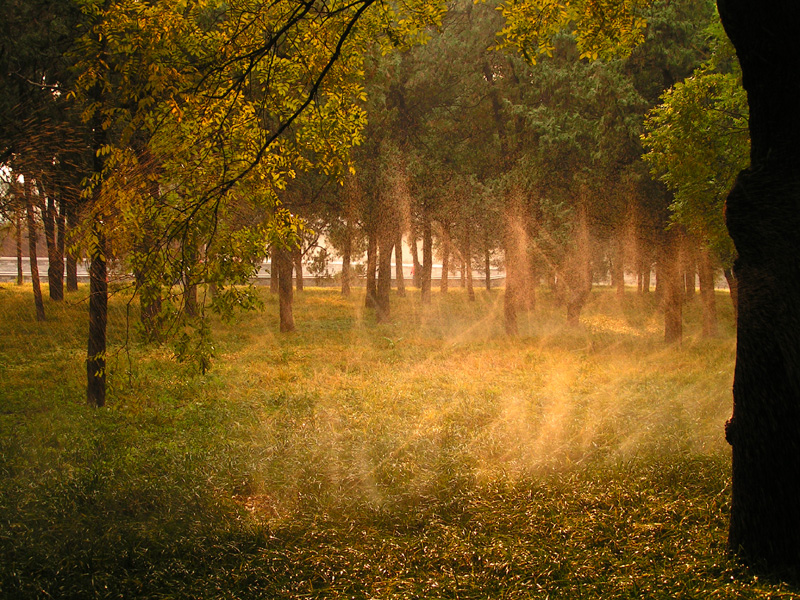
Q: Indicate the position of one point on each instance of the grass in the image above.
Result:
(431, 457)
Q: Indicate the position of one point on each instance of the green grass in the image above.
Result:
(427, 458)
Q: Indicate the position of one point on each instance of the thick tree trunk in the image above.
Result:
(398, 265)
(18, 227)
(372, 266)
(297, 257)
(707, 293)
(72, 259)
(427, 259)
(37, 288)
(444, 281)
(764, 222)
(282, 260)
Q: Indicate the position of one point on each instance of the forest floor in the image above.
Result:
(432, 457)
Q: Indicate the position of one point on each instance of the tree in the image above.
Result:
(697, 142)
(764, 223)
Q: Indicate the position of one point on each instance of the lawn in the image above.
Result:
(432, 457)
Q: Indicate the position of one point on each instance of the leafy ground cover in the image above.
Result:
(427, 458)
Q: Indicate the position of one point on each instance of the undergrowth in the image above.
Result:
(431, 457)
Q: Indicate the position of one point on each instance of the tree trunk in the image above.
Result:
(98, 317)
(346, 257)
(297, 257)
(510, 299)
(427, 259)
(688, 267)
(98, 275)
(646, 271)
(707, 294)
(18, 227)
(72, 259)
(384, 285)
(416, 269)
(190, 280)
(37, 288)
(273, 272)
(398, 265)
(487, 261)
(468, 264)
(372, 266)
(618, 269)
(282, 259)
(733, 287)
(54, 270)
(669, 276)
(578, 274)
(764, 222)
(444, 282)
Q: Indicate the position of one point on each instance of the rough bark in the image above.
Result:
(37, 288)
(282, 260)
(763, 218)
(707, 293)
